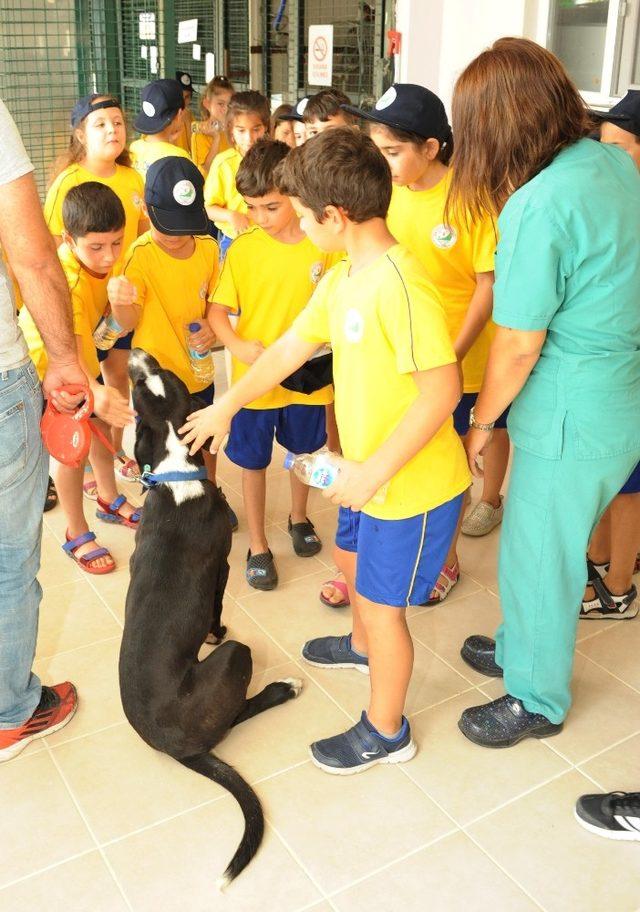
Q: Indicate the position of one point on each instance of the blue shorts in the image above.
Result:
(298, 428)
(399, 559)
(632, 485)
(123, 343)
(463, 409)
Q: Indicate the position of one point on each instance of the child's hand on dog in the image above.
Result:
(212, 421)
(111, 406)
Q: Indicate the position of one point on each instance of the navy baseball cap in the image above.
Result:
(161, 101)
(626, 114)
(185, 80)
(298, 110)
(411, 108)
(174, 194)
(84, 106)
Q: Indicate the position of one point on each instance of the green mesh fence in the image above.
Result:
(236, 42)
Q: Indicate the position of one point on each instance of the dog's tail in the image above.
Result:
(213, 768)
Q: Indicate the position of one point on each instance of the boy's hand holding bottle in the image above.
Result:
(121, 292)
(203, 339)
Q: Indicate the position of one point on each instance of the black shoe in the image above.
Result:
(480, 653)
(503, 723)
(615, 815)
(305, 541)
(261, 571)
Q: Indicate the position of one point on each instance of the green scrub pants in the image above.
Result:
(551, 511)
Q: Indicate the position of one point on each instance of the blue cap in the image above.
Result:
(411, 108)
(161, 101)
(85, 105)
(625, 114)
(298, 110)
(174, 194)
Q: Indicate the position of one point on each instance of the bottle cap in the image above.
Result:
(289, 459)
(194, 327)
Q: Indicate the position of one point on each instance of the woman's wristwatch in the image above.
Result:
(476, 424)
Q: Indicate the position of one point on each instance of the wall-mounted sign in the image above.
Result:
(320, 55)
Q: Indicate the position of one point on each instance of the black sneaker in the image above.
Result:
(261, 571)
(305, 541)
(615, 815)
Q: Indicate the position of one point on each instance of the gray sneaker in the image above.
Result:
(334, 652)
(482, 519)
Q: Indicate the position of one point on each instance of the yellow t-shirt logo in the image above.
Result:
(353, 325)
(443, 236)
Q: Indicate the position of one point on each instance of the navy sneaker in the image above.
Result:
(361, 747)
(615, 815)
(334, 652)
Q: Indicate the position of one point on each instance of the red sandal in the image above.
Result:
(84, 561)
(341, 587)
(110, 512)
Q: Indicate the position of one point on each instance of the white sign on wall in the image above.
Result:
(147, 26)
(320, 55)
(187, 31)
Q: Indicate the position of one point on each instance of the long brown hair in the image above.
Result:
(76, 152)
(514, 108)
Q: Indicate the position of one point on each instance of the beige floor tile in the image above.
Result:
(94, 671)
(465, 779)
(55, 567)
(292, 613)
(479, 558)
(174, 866)
(617, 769)
(445, 628)
(453, 875)
(431, 682)
(345, 827)
(289, 565)
(40, 824)
(278, 504)
(617, 650)
(539, 843)
(280, 737)
(81, 885)
(241, 627)
(112, 589)
(72, 616)
(603, 712)
(122, 784)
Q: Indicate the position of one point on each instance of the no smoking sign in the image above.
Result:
(320, 55)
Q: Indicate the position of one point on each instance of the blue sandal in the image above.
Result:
(110, 512)
(84, 561)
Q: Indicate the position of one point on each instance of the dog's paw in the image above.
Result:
(295, 684)
(214, 638)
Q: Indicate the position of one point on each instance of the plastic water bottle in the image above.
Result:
(201, 362)
(320, 469)
(107, 332)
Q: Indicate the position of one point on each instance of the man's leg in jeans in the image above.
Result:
(23, 484)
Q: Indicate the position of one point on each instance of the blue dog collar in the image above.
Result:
(150, 479)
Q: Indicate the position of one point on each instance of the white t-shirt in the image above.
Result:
(14, 163)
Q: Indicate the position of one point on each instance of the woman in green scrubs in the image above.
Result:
(566, 353)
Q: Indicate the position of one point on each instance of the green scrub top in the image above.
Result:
(568, 261)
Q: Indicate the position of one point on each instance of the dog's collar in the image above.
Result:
(150, 479)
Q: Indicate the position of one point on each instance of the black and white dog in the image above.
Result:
(179, 570)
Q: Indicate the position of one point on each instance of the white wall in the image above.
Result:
(440, 37)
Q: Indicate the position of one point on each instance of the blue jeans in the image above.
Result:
(24, 468)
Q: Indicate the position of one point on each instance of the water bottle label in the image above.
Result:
(198, 356)
(322, 475)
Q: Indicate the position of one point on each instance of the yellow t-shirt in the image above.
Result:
(145, 152)
(125, 183)
(200, 146)
(267, 284)
(451, 258)
(385, 323)
(220, 186)
(184, 137)
(172, 293)
(89, 303)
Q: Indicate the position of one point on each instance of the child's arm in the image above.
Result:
(477, 316)
(108, 403)
(438, 395)
(242, 349)
(123, 296)
(277, 362)
(238, 220)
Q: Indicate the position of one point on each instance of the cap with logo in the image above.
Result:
(411, 108)
(185, 80)
(626, 114)
(174, 194)
(161, 101)
(298, 111)
(84, 106)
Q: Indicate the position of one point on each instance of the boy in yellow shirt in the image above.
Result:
(396, 382)
(325, 110)
(268, 277)
(94, 220)
(173, 267)
(248, 120)
(161, 123)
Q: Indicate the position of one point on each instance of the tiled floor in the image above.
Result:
(95, 821)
